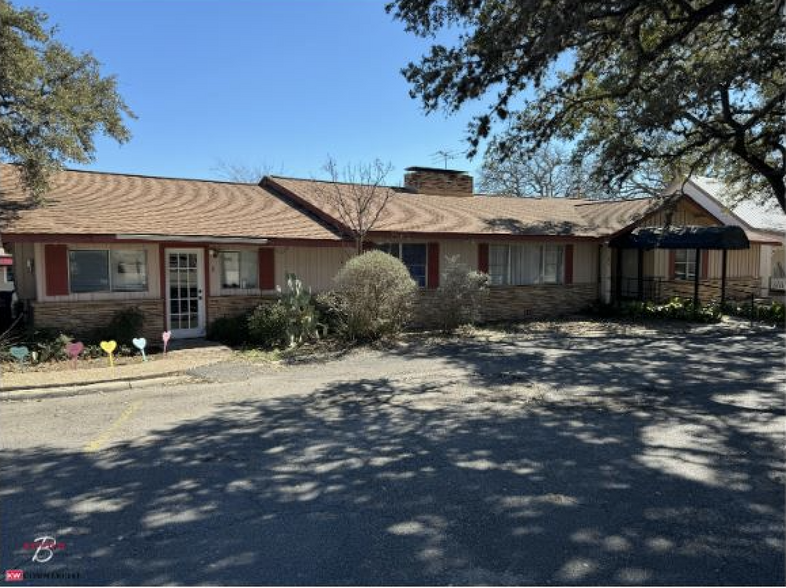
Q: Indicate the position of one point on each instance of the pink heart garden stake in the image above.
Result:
(73, 349)
(165, 337)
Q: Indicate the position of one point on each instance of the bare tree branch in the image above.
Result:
(356, 194)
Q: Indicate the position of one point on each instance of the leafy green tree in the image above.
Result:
(52, 101)
(685, 85)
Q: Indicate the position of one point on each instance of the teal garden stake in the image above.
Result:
(19, 354)
(140, 344)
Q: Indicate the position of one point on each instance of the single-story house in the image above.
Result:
(187, 252)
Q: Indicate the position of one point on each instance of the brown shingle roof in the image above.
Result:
(409, 212)
(107, 204)
(609, 216)
(91, 203)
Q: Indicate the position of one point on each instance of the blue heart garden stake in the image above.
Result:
(140, 344)
(19, 354)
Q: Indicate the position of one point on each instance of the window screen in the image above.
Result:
(129, 270)
(412, 255)
(89, 271)
(239, 269)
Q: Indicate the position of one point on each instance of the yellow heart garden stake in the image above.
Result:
(109, 347)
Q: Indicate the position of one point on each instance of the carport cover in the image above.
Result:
(684, 237)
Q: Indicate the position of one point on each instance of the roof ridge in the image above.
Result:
(590, 202)
(405, 189)
(149, 176)
(314, 180)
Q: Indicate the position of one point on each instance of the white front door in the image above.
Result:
(185, 284)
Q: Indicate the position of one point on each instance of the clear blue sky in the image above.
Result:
(277, 83)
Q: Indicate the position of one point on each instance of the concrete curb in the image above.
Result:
(93, 388)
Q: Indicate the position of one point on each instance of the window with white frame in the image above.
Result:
(104, 270)
(239, 269)
(684, 264)
(522, 264)
(129, 270)
(412, 255)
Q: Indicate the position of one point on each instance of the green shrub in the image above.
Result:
(230, 330)
(125, 325)
(460, 295)
(47, 344)
(331, 308)
(676, 308)
(379, 295)
(267, 326)
(302, 323)
(771, 312)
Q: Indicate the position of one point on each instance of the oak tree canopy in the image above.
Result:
(695, 86)
(52, 101)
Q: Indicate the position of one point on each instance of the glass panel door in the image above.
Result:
(185, 283)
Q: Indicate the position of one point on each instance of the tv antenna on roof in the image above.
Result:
(444, 155)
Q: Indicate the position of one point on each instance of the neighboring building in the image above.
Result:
(765, 218)
(189, 251)
(6, 272)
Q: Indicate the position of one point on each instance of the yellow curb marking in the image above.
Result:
(99, 441)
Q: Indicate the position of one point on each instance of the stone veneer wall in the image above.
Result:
(522, 302)
(79, 318)
(231, 306)
(709, 289)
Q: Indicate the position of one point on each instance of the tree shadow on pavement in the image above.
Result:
(676, 479)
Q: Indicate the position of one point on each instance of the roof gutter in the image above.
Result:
(190, 238)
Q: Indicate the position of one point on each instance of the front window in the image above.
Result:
(129, 270)
(9, 274)
(552, 259)
(88, 271)
(239, 269)
(685, 264)
(412, 255)
(525, 264)
(102, 270)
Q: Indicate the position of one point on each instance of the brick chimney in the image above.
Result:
(433, 180)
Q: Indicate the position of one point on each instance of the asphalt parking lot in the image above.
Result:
(550, 457)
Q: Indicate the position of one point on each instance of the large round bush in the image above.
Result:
(379, 295)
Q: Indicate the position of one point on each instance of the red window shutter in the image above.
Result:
(569, 264)
(483, 257)
(433, 265)
(267, 269)
(56, 270)
(672, 264)
(705, 264)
